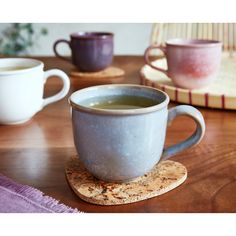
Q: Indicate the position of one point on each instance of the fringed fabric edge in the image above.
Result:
(35, 196)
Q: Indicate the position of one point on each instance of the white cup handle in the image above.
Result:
(65, 89)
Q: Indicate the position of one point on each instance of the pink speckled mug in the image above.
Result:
(192, 63)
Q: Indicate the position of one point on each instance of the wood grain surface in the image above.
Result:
(35, 153)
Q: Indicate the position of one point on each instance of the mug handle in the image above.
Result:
(194, 139)
(146, 57)
(65, 89)
(55, 49)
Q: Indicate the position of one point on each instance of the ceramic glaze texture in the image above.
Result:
(192, 64)
(193, 67)
(21, 91)
(17, 102)
(92, 53)
(119, 145)
(116, 150)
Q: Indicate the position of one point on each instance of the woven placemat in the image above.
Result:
(164, 177)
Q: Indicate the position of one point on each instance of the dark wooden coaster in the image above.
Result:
(164, 177)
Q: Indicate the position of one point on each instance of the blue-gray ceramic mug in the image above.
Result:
(120, 145)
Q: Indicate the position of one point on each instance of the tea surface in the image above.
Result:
(120, 102)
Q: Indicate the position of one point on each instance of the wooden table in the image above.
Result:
(35, 154)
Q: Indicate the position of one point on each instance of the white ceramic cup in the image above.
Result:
(21, 90)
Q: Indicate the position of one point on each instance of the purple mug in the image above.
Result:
(91, 51)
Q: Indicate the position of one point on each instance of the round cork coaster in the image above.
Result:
(110, 72)
(164, 177)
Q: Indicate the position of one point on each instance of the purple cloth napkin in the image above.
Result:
(20, 198)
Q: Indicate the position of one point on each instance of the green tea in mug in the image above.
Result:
(123, 102)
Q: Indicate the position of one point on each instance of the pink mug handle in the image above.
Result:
(146, 56)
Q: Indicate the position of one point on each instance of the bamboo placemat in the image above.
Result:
(220, 94)
(224, 32)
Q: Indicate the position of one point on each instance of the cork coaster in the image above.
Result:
(109, 72)
(164, 177)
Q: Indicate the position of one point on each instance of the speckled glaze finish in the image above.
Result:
(91, 51)
(119, 145)
(192, 64)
